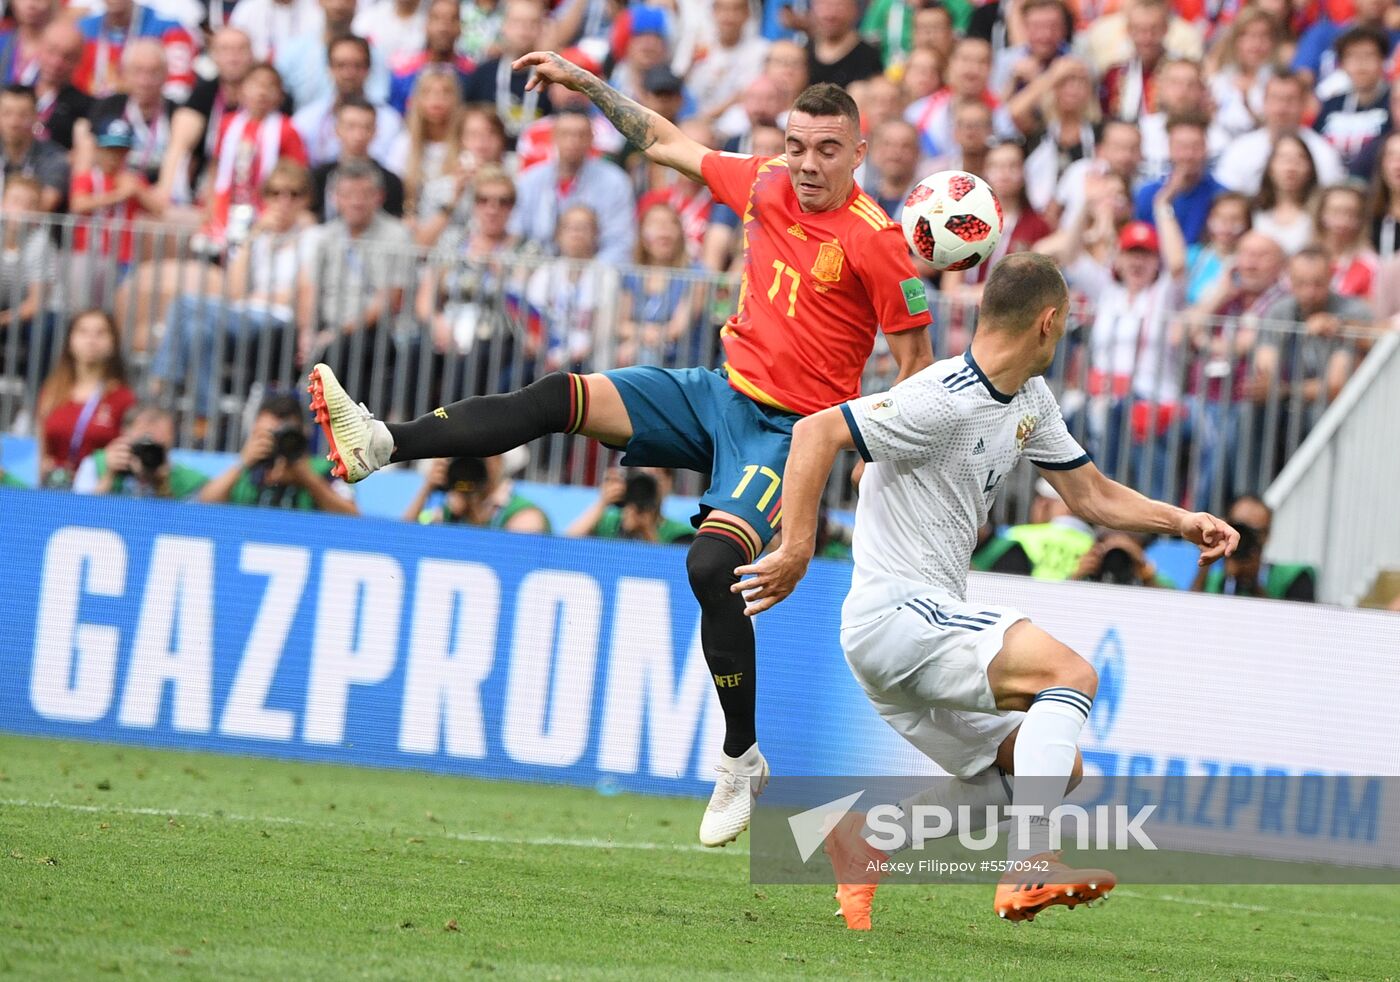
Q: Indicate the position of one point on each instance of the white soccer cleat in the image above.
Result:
(727, 814)
(359, 444)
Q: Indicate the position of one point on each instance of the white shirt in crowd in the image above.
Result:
(268, 22)
(1241, 166)
(723, 73)
(387, 32)
(939, 444)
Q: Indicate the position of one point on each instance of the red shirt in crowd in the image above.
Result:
(103, 425)
(97, 182)
(816, 287)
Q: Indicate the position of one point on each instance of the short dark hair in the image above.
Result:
(356, 102)
(23, 91)
(825, 99)
(283, 406)
(359, 170)
(1288, 77)
(1315, 253)
(354, 39)
(1195, 120)
(643, 493)
(1362, 34)
(1020, 287)
(270, 69)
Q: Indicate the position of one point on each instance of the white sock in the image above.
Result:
(990, 788)
(1045, 748)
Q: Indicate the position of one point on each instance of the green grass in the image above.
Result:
(118, 862)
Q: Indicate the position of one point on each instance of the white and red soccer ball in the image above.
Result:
(952, 219)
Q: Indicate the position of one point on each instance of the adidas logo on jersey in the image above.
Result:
(797, 232)
(980, 448)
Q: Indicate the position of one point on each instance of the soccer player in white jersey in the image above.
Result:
(978, 688)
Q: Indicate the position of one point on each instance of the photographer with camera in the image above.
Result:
(1245, 574)
(629, 507)
(274, 470)
(1121, 558)
(476, 492)
(137, 463)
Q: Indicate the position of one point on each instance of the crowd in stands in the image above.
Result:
(1202, 171)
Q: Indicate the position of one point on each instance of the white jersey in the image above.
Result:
(938, 446)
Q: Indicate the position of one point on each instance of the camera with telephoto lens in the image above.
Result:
(148, 455)
(289, 443)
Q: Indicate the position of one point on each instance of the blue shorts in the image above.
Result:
(693, 418)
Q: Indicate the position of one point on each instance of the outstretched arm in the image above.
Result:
(816, 441)
(1101, 501)
(657, 138)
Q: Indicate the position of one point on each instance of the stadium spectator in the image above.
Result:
(1244, 68)
(1181, 91)
(1283, 206)
(1213, 258)
(432, 133)
(392, 27)
(966, 80)
(439, 52)
(1316, 56)
(629, 506)
(729, 66)
(1195, 187)
(61, 103)
(645, 45)
(761, 104)
(106, 36)
(691, 199)
(658, 304)
(835, 51)
(1312, 365)
(268, 24)
(250, 145)
(566, 298)
(1022, 228)
(1086, 247)
(572, 178)
(995, 553)
(460, 291)
(253, 299)
(1054, 539)
(349, 60)
(878, 99)
(971, 139)
(21, 45)
(495, 83)
(1342, 230)
(786, 65)
(663, 92)
(110, 191)
(83, 400)
(1360, 114)
(1364, 165)
(141, 105)
(482, 22)
(355, 124)
(1056, 113)
(933, 31)
(29, 292)
(536, 142)
(137, 463)
(446, 203)
(1128, 88)
(196, 126)
(1118, 150)
(894, 165)
(1385, 198)
(304, 61)
(353, 269)
(1244, 574)
(1242, 163)
(922, 77)
(1045, 26)
(474, 491)
(274, 469)
(1118, 557)
(21, 153)
(888, 26)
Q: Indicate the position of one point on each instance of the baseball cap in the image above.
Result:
(114, 133)
(582, 59)
(466, 475)
(1138, 235)
(660, 80)
(649, 20)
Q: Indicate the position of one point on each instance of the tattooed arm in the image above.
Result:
(656, 137)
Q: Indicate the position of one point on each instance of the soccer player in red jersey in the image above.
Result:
(824, 268)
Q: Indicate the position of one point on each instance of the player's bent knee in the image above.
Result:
(710, 565)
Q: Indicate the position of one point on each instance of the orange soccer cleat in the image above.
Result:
(1023, 894)
(851, 860)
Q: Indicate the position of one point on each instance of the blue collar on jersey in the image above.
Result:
(992, 390)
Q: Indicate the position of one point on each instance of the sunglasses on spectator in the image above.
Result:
(495, 199)
(284, 193)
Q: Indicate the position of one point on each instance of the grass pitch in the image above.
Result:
(134, 863)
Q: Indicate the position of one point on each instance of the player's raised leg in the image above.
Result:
(723, 543)
(481, 426)
(1055, 688)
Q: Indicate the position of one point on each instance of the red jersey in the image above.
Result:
(96, 182)
(816, 286)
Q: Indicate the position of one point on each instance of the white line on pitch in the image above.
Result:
(484, 837)
(1253, 908)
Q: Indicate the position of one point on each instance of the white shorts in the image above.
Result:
(923, 665)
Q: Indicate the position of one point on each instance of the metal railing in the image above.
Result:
(1193, 411)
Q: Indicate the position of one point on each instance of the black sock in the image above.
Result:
(725, 633)
(484, 426)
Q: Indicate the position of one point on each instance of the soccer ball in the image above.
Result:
(952, 219)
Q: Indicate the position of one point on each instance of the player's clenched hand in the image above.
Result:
(550, 67)
(1215, 538)
(772, 578)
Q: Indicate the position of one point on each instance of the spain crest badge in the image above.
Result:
(830, 259)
